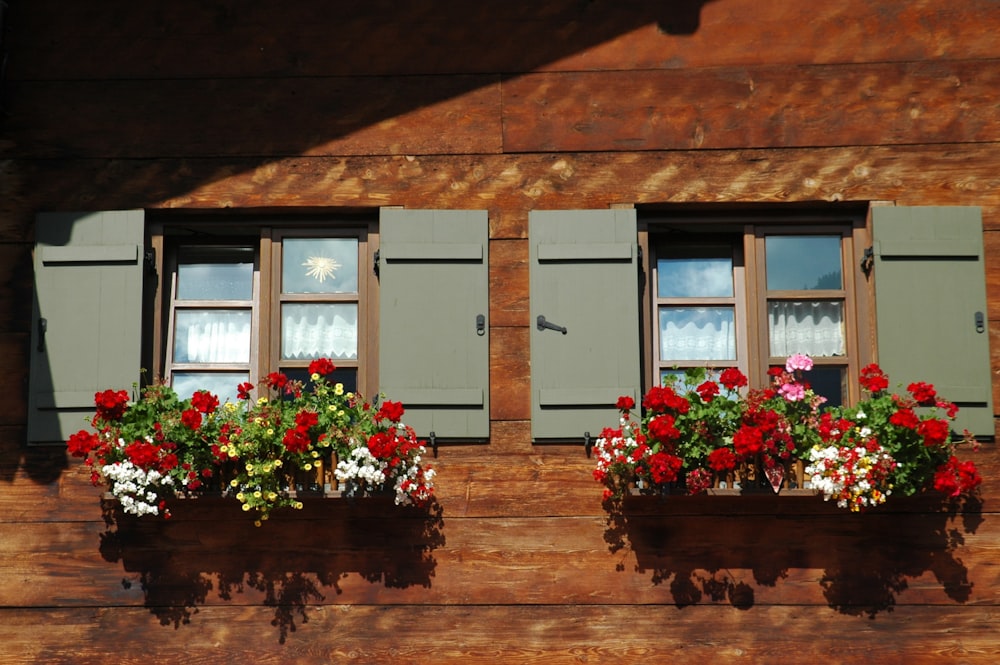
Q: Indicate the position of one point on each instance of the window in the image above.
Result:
(750, 296)
(398, 300)
(241, 307)
(848, 286)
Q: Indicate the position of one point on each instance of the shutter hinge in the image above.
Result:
(149, 257)
(868, 261)
(375, 259)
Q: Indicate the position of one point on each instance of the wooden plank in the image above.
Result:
(551, 635)
(909, 175)
(228, 39)
(14, 353)
(510, 378)
(350, 555)
(508, 283)
(402, 115)
(764, 106)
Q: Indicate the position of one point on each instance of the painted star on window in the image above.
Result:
(321, 267)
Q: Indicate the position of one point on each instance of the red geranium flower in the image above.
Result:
(873, 379)
(708, 390)
(111, 404)
(81, 443)
(391, 411)
(243, 390)
(934, 431)
(191, 419)
(722, 459)
(205, 401)
(923, 393)
(625, 403)
(905, 418)
(277, 380)
(664, 467)
(296, 441)
(321, 366)
(306, 419)
(732, 378)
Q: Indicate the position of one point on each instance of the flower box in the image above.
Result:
(291, 442)
(702, 436)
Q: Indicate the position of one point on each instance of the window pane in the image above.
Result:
(221, 384)
(212, 336)
(319, 331)
(830, 382)
(215, 273)
(695, 277)
(697, 333)
(803, 262)
(815, 328)
(319, 265)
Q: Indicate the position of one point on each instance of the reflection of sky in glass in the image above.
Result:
(221, 384)
(319, 265)
(803, 262)
(695, 278)
(218, 278)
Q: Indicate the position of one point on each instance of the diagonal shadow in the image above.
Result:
(208, 553)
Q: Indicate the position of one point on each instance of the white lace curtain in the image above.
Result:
(318, 331)
(815, 328)
(697, 335)
(212, 337)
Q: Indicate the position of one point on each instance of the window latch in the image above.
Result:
(375, 259)
(542, 324)
(868, 261)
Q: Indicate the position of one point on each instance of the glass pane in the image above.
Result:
(830, 382)
(319, 331)
(221, 384)
(215, 273)
(697, 333)
(319, 265)
(695, 277)
(347, 376)
(803, 262)
(212, 336)
(815, 328)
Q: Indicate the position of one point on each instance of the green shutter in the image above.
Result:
(584, 278)
(434, 319)
(930, 299)
(87, 320)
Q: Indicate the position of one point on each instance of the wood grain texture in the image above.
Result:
(228, 39)
(559, 635)
(758, 107)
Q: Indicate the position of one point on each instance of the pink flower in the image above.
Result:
(798, 361)
(792, 392)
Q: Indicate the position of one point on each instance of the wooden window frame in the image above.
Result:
(265, 236)
(853, 226)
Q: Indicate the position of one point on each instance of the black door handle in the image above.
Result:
(543, 324)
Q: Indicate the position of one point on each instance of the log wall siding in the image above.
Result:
(230, 108)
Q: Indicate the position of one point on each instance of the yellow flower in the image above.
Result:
(270, 432)
(230, 407)
(315, 454)
(297, 505)
(249, 467)
(307, 466)
(339, 389)
(233, 482)
(271, 496)
(277, 463)
(240, 496)
(256, 522)
(246, 507)
(256, 494)
(331, 408)
(261, 400)
(315, 376)
(350, 395)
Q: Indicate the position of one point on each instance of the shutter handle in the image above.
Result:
(43, 325)
(980, 323)
(543, 324)
(480, 324)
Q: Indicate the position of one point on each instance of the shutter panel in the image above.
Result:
(584, 278)
(434, 319)
(930, 299)
(87, 320)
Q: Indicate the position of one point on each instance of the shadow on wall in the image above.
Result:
(284, 564)
(867, 559)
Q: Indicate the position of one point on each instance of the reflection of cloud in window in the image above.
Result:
(690, 278)
(803, 262)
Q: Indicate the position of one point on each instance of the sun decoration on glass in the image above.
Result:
(321, 267)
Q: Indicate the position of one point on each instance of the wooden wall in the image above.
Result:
(510, 106)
